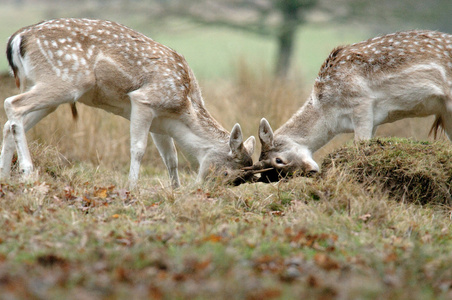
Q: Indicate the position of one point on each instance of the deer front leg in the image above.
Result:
(140, 124)
(167, 150)
(447, 124)
(363, 122)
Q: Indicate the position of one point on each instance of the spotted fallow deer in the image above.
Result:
(110, 66)
(360, 86)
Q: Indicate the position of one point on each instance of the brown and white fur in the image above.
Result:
(360, 86)
(110, 66)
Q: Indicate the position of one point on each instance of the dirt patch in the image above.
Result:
(408, 170)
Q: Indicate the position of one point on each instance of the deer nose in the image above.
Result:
(312, 168)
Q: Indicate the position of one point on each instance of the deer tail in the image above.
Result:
(438, 125)
(15, 52)
(74, 111)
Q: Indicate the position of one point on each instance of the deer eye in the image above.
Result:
(225, 173)
(278, 160)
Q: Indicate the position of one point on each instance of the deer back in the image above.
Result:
(112, 58)
(348, 70)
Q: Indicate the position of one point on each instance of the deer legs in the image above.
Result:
(9, 144)
(140, 123)
(141, 118)
(167, 150)
(27, 109)
(447, 123)
(20, 120)
(8, 148)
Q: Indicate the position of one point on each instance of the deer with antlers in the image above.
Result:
(360, 86)
(110, 66)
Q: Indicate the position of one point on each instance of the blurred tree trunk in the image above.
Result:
(286, 40)
(279, 19)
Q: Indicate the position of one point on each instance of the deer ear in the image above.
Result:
(249, 145)
(265, 134)
(236, 139)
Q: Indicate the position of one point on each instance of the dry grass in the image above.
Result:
(76, 232)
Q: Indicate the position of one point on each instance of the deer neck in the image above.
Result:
(310, 126)
(195, 130)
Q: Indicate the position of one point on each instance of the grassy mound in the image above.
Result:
(408, 170)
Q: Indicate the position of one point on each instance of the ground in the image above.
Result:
(77, 231)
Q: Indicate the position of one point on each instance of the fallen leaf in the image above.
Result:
(100, 192)
(392, 256)
(69, 193)
(277, 213)
(270, 263)
(122, 274)
(155, 292)
(268, 293)
(325, 262)
(313, 281)
(28, 210)
(124, 241)
(214, 238)
(87, 200)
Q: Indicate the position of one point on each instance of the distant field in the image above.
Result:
(212, 52)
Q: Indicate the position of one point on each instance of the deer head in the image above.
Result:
(281, 156)
(227, 163)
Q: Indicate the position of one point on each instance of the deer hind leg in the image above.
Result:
(9, 145)
(24, 111)
(8, 148)
(167, 150)
(363, 122)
